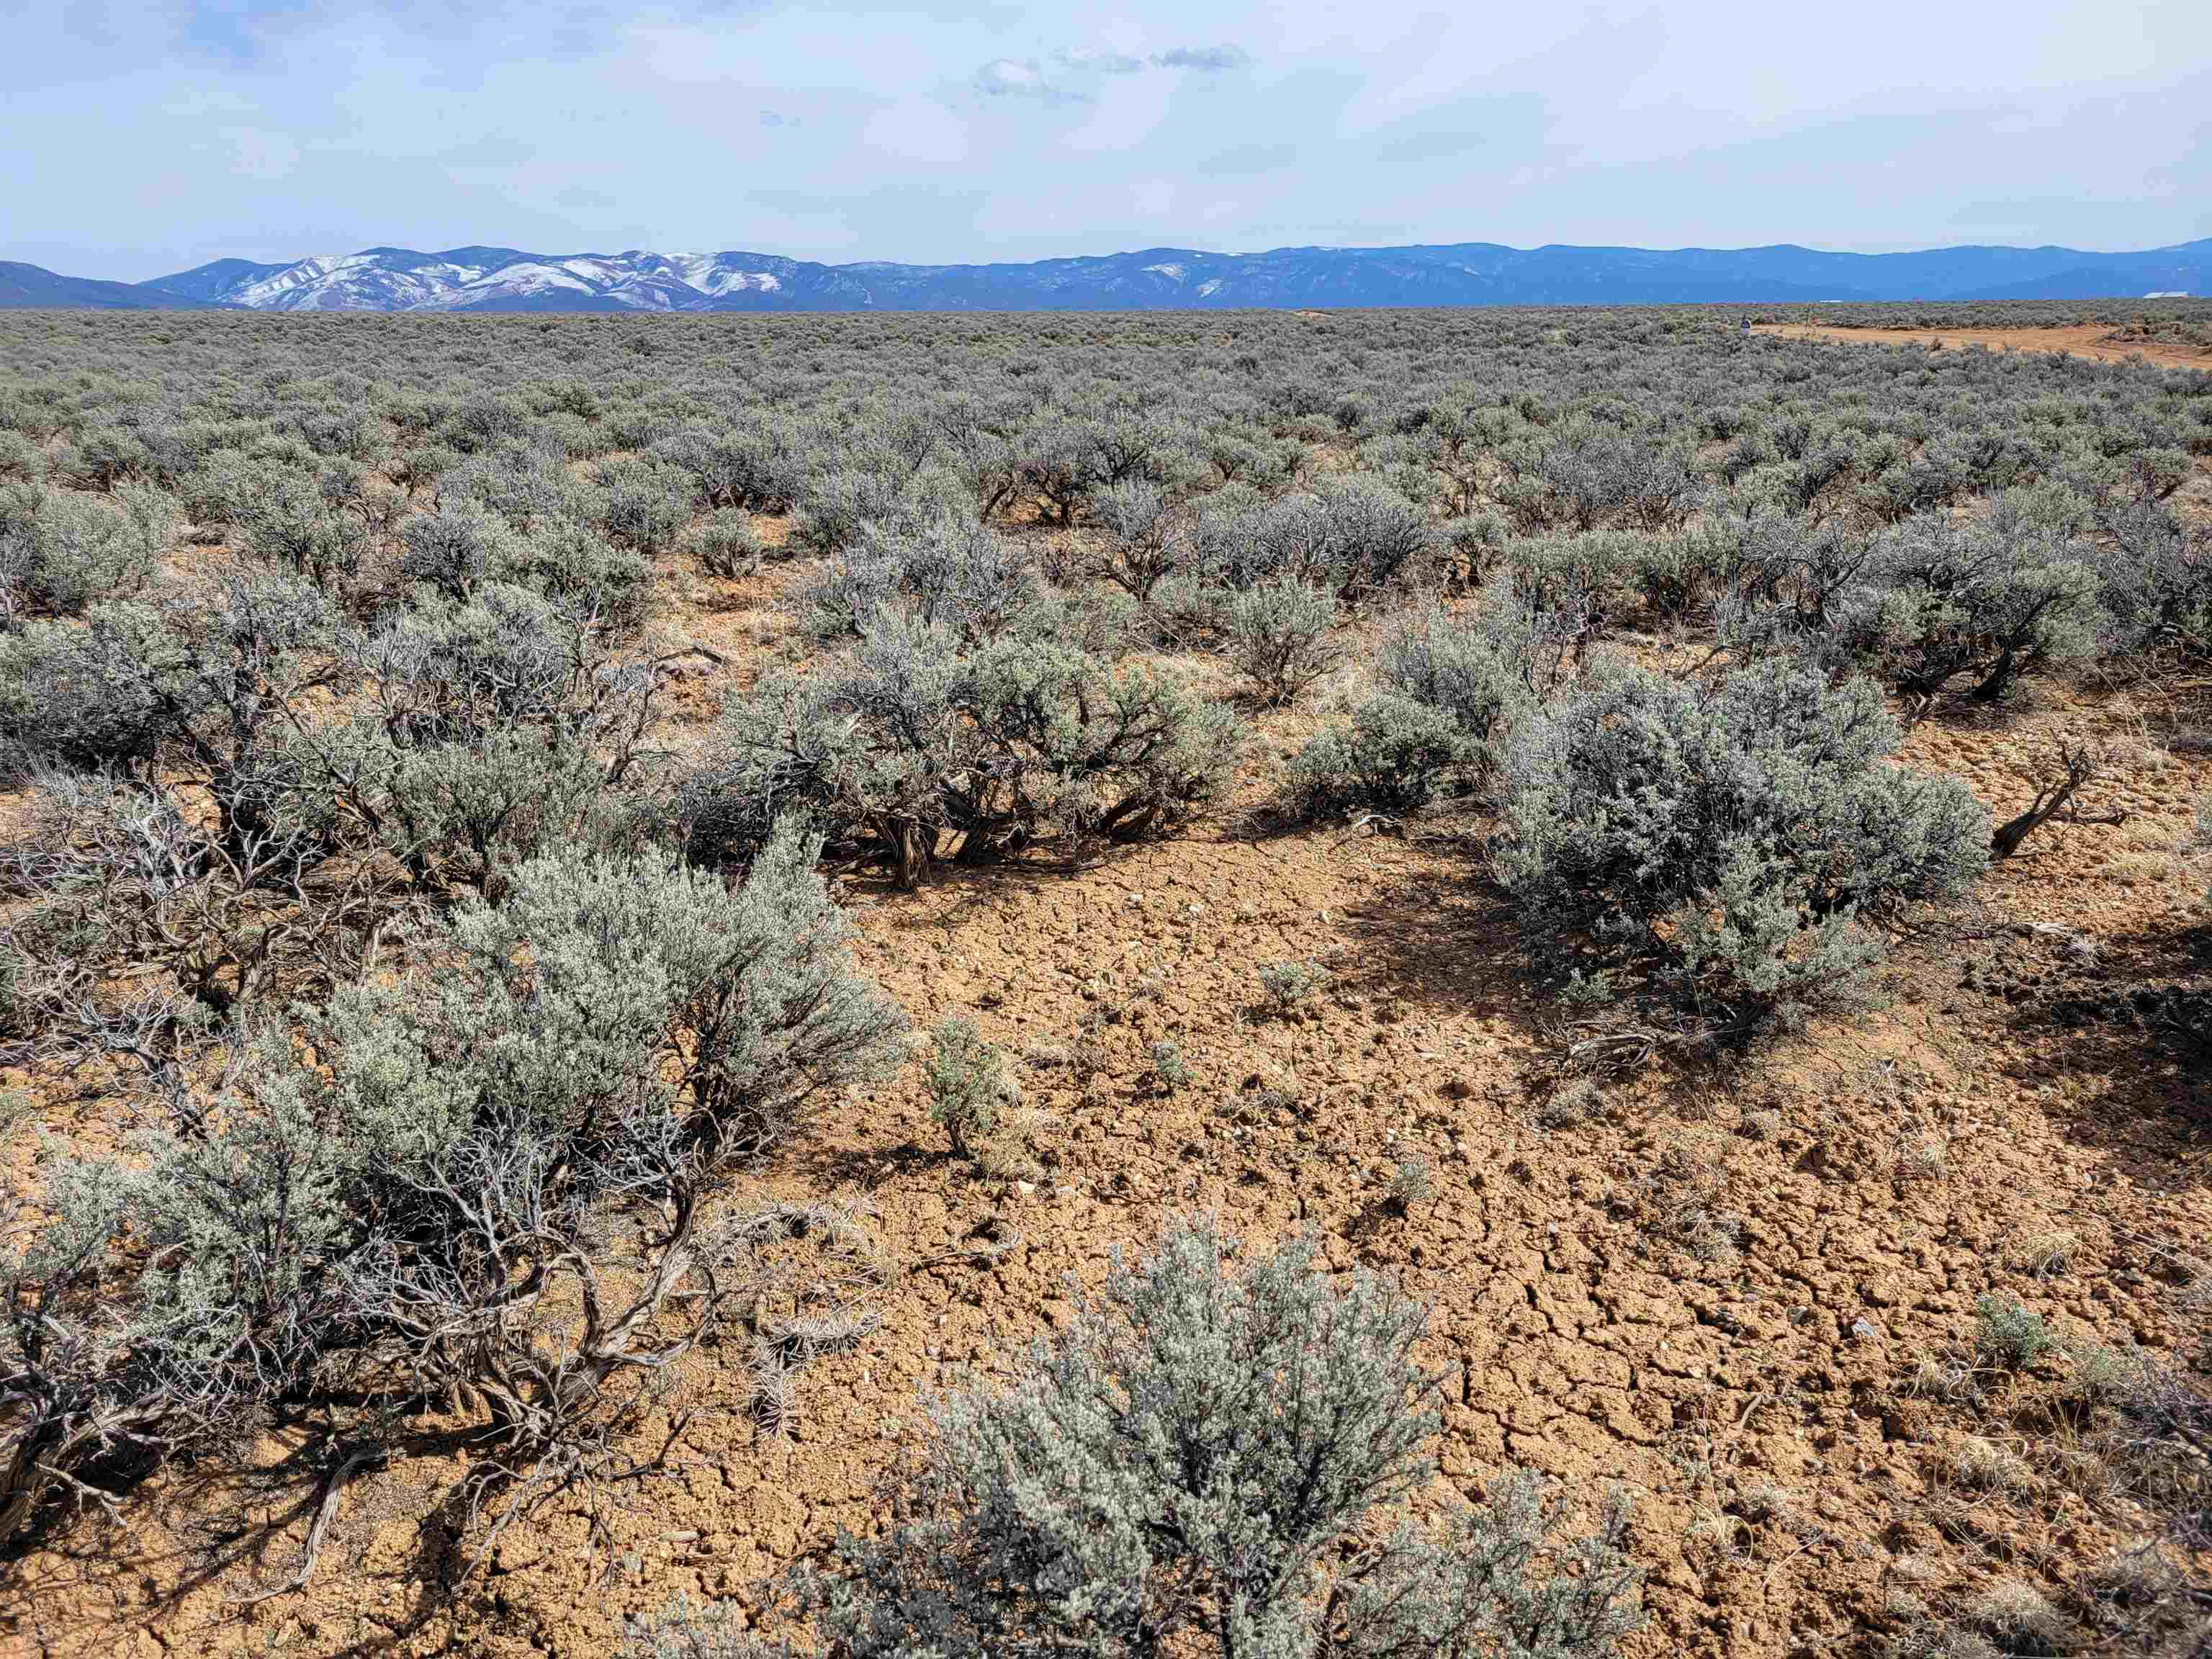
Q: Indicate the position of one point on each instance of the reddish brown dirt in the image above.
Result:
(1711, 1291)
(2093, 340)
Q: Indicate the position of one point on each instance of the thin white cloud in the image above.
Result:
(1074, 72)
(1105, 63)
(1012, 77)
(1210, 60)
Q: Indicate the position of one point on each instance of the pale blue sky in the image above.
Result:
(148, 135)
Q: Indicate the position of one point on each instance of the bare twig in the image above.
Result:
(323, 1511)
(2052, 800)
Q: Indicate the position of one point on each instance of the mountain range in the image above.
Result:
(499, 279)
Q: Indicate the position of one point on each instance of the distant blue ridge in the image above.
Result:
(1461, 274)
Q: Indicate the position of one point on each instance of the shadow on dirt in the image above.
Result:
(222, 1524)
(2133, 1012)
(2154, 1043)
(1449, 939)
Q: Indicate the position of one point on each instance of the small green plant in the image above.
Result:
(2007, 1334)
(1278, 634)
(2103, 1375)
(1170, 1069)
(1285, 985)
(968, 1085)
(1587, 991)
(1410, 1185)
(727, 545)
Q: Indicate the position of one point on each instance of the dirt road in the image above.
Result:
(2092, 340)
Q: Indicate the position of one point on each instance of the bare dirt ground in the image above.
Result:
(2093, 340)
(1713, 1287)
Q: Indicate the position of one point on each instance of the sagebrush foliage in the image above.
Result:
(1450, 686)
(908, 748)
(61, 549)
(970, 1084)
(1183, 1471)
(431, 1202)
(1731, 839)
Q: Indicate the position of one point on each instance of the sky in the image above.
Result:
(146, 137)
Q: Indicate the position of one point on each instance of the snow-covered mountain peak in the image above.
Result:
(400, 279)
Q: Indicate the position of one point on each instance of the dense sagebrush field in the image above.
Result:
(1488, 983)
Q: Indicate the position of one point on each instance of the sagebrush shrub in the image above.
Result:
(497, 729)
(941, 570)
(1148, 537)
(727, 545)
(839, 503)
(756, 464)
(1449, 688)
(1279, 636)
(456, 549)
(2007, 1333)
(2154, 575)
(117, 878)
(1678, 573)
(1988, 599)
(969, 1084)
(906, 742)
(1187, 1465)
(1390, 752)
(1731, 839)
(286, 519)
(646, 984)
(21, 458)
(101, 457)
(61, 550)
(644, 505)
(1171, 1071)
(1784, 581)
(211, 674)
(1585, 474)
(427, 1202)
(526, 486)
(1477, 669)
(1351, 537)
(1285, 985)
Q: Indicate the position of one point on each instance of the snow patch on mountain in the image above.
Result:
(392, 279)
